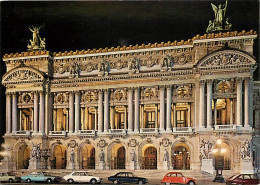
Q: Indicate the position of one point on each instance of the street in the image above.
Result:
(151, 182)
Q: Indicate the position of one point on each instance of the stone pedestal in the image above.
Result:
(7, 165)
(132, 165)
(71, 165)
(34, 164)
(101, 165)
(165, 165)
(207, 165)
(246, 167)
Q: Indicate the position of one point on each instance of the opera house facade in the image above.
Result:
(158, 106)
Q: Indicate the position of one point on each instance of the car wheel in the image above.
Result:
(116, 182)
(70, 181)
(167, 183)
(93, 181)
(140, 182)
(49, 181)
(28, 180)
(11, 180)
(191, 183)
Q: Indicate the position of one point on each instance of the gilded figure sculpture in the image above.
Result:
(219, 23)
(37, 43)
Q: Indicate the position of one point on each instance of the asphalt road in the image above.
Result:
(151, 182)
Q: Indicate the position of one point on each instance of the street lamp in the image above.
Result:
(218, 152)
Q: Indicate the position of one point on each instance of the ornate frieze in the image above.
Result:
(182, 59)
(25, 98)
(149, 93)
(206, 148)
(118, 95)
(182, 91)
(61, 98)
(102, 143)
(89, 96)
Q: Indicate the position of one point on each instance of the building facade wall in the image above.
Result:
(165, 104)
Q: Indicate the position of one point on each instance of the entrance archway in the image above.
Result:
(87, 156)
(223, 158)
(59, 157)
(181, 157)
(118, 157)
(149, 157)
(24, 153)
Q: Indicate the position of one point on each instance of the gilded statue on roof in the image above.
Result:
(219, 23)
(37, 43)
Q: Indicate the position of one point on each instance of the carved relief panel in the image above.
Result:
(149, 93)
(61, 98)
(118, 95)
(89, 96)
(26, 98)
(182, 91)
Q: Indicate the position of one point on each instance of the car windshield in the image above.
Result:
(233, 177)
(46, 174)
(131, 175)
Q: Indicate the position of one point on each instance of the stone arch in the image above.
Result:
(58, 156)
(112, 152)
(23, 74)
(231, 149)
(188, 148)
(86, 156)
(23, 153)
(141, 150)
(226, 58)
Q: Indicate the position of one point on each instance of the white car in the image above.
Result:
(81, 176)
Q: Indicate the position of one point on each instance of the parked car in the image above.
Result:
(243, 179)
(177, 178)
(129, 177)
(41, 177)
(9, 177)
(81, 177)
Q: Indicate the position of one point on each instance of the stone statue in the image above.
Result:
(132, 153)
(205, 149)
(165, 155)
(102, 156)
(72, 156)
(219, 23)
(37, 43)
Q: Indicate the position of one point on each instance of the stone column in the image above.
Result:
(202, 115)
(8, 113)
(71, 112)
(14, 113)
(77, 111)
(189, 110)
(174, 116)
(162, 114)
(125, 118)
(231, 111)
(168, 109)
(100, 111)
(137, 111)
(239, 102)
(130, 110)
(156, 117)
(215, 112)
(209, 104)
(42, 113)
(106, 111)
(95, 118)
(36, 112)
(247, 102)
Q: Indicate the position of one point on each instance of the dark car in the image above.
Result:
(127, 177)
(242, 179)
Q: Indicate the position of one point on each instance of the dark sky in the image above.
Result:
(87, 25)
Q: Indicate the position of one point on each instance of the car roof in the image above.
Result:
(173, 172)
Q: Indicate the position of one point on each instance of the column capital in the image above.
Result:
(162, 87)
(130, 89)
(100, 90)
(202, 82)
(8, 93)
(239, 80)
(168, 86)
(209, 81)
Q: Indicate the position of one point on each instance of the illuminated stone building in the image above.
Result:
(157, 106)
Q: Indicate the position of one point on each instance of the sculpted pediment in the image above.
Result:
(226, 58)
(23, 75)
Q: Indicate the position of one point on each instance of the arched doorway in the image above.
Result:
(223, 157)
(59, 157)
(87, 157)
(181, 157)
(118, 157)
(149, 157)
(24, 153)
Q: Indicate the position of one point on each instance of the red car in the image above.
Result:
(242, 179)
(177, 178)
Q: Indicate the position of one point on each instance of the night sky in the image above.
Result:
(87, 25)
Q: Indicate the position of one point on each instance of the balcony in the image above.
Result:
(87, 132)
(22, 133)
(225, 127)
(58, 133)
(117, 131)
(182, 129)
(148, 130)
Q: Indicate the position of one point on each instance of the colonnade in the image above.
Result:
(239, 104)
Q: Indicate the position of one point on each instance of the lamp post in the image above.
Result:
(217, 151)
